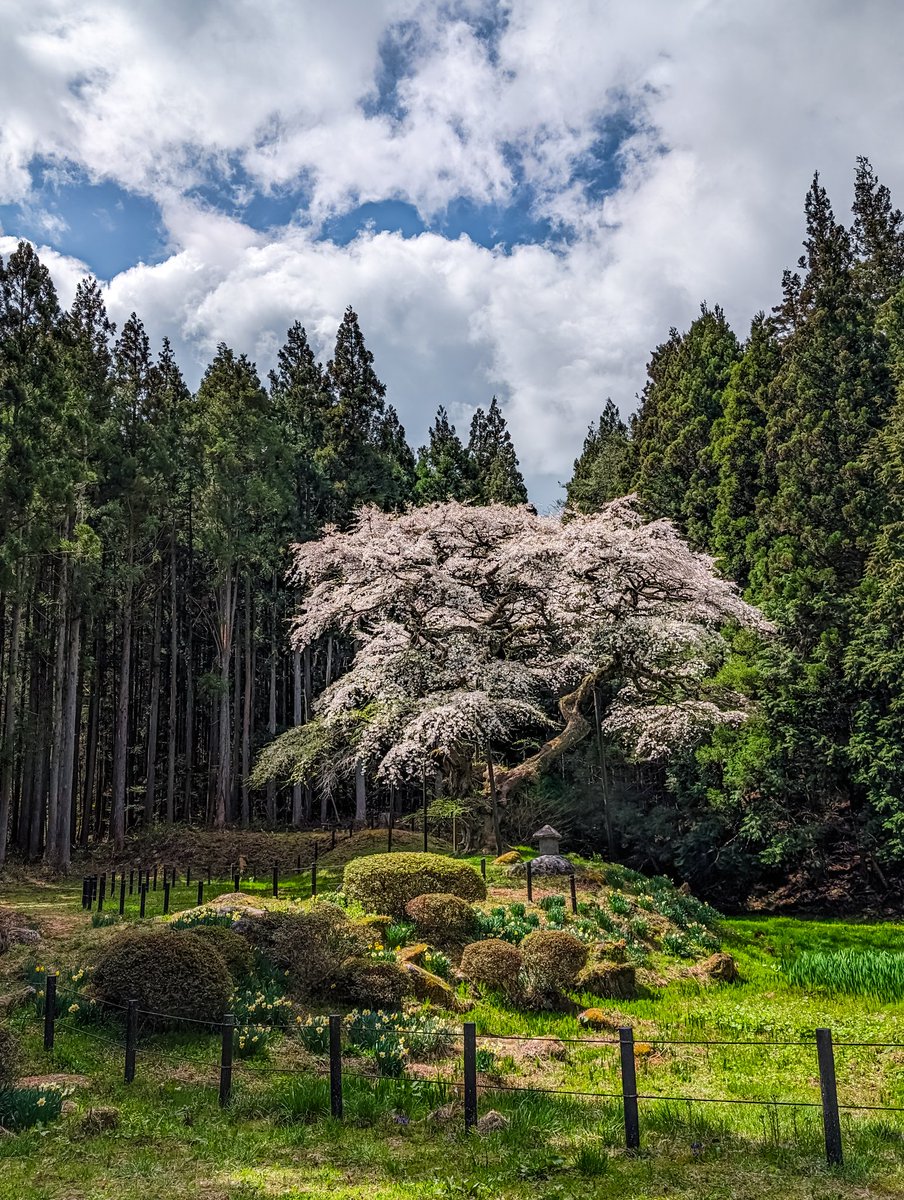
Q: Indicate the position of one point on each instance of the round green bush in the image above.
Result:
(385, 883)
(442, 918)
(492, 963)
(373, 983)
(552, 959)
(231, 946)
(9, 1057)
(313, 946)
(173, 973)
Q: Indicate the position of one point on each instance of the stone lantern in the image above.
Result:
(550, 861)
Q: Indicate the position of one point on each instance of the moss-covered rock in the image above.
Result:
(429, 988)
(508, 859)
(386, 882)
(609, 981)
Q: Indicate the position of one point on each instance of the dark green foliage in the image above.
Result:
(445, 471)
(314, 946)
(384, 883)
(552, 960)
(605, 467)
(231, 947)
(498, 479)
(170, 973)
(441, 918)
(9, 1057)
(494, 964)
(22, 1108)
(373, 984)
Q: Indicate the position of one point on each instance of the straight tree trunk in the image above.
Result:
(56, 720)
(63, 854)
(271, 715)
(189, 719)
(150, 786)
(226, 625)
(360, 793)
(246, 710)
(308, 790)
(121, 723)
(298, 717)
(173, 691)
(10, 718)
(91, 749)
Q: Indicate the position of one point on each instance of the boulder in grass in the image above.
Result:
(720, 968)
(431, 989)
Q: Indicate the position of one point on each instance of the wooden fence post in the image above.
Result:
(200, 892)
(629, 1088)
(530, 882)
(155, 877)
(50, 982)
(226, 1059)
(336, 1066)
(470, 1032)
(276, 881)
(144, 897)
(236, 883)
(131, 1038)
(314, 878)
(483, 867)
(574, 895)
(166, 892)
(830, 1120)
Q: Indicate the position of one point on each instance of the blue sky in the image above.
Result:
(519, 198)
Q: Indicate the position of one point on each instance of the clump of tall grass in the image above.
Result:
(877, 973)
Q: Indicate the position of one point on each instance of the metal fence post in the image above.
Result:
(236, 883)
(629, 1088)
(830, 1120)
(226, 1059)
(131, 1038)
(166, 893)
(470, 1031)
(50, 982)
(200, 892)
(574, 895)
(530, 882)
(336, 1066)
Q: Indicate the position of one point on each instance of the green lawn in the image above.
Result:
(276, 1139)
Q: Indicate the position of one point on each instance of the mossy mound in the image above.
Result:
(494, 964)
(442, 918)
(385, 883)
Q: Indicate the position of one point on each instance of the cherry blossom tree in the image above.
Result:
(479, 627)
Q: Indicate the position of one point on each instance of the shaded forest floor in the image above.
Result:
(277, 1141)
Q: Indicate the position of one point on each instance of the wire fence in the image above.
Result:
(470, 1083)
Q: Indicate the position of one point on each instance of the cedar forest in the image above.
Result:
(145, 604)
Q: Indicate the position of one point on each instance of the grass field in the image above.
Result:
(276, 1139)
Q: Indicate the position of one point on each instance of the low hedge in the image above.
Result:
(169, 972)
(441, 918)
(373, 983)
(385, 883)
(231, 946)
(492, 963)
(314, 946)
(552, 960)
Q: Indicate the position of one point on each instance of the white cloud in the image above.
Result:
(732, 108)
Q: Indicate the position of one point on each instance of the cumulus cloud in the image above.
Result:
(669, 145)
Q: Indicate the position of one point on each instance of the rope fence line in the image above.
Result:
(471, 1083)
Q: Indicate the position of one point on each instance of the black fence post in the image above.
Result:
(336, 1066)
(155, 877)
(483, 867)
(208, 874)
(314, 878)
(236, 883)
(166, 892)
(90, 892)
(188, 876)
(830, 1120)
(470, 1031)
(574, 894)
(629, 1088)
(226, 1059)
(101, 895)
(276, 881)
(530, 882)
(131, 880)
(200, 892)
(50, 982)
(84, 891)
(122, 893)
(131, 1038)
(144, 897)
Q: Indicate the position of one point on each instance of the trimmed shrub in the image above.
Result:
(609, 981)
(386, 882)
(492, 964)
(552, 960)
(231, 946)
(314, 945)
(170, 973)
(442, 918)
(373, 983)
(9, 1057)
